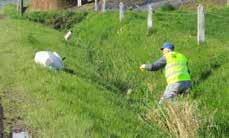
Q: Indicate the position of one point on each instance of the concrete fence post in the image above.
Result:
(121, 11)
(104, 6)
(96, 5)
(149, 19)
(20, 7)
(79, 3)
(200, 24)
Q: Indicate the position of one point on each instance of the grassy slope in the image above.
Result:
(57, 104)
(119, 48)
(105, 59)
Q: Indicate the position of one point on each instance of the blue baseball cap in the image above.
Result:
(168, 46)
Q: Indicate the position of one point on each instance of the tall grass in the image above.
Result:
(112, 58)
(181, 119)
(105, 55)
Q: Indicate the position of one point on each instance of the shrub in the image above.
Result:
(61, 20)
(167, 7)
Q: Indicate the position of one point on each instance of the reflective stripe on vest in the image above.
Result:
(173, 65)
(175, 73)
(176, 68)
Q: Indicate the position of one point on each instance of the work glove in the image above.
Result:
(142, 67)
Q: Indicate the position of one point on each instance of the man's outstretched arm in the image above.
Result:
(160, 63)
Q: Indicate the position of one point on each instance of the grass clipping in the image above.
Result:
(179, 119)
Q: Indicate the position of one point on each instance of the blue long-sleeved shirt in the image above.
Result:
(160, 63)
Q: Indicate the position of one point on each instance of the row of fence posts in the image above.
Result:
(200, 16)
(200, 12)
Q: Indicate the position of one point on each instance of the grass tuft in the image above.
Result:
(179, 119)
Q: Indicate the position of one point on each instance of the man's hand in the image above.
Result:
(142, 67)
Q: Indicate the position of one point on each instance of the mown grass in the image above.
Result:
(103, 60)
(57, 104)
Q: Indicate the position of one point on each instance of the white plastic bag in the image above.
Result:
(68, 35)
(49, 59)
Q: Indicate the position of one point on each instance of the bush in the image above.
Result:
(61, 20)
(167, 7)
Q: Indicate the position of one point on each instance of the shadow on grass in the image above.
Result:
(69, 71)
(114, 86)
(204, 76)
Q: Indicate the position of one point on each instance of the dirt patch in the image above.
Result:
(12, 101)
(2, 17)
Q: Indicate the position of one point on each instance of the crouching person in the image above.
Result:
(176, 72)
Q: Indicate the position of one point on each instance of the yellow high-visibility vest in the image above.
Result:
(176, 68)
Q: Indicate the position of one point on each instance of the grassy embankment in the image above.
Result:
(103, 58)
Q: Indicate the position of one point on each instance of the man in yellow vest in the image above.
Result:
(176, 72)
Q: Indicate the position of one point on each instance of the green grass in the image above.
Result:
(57, 104)
(105, 56)
(59, 20)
